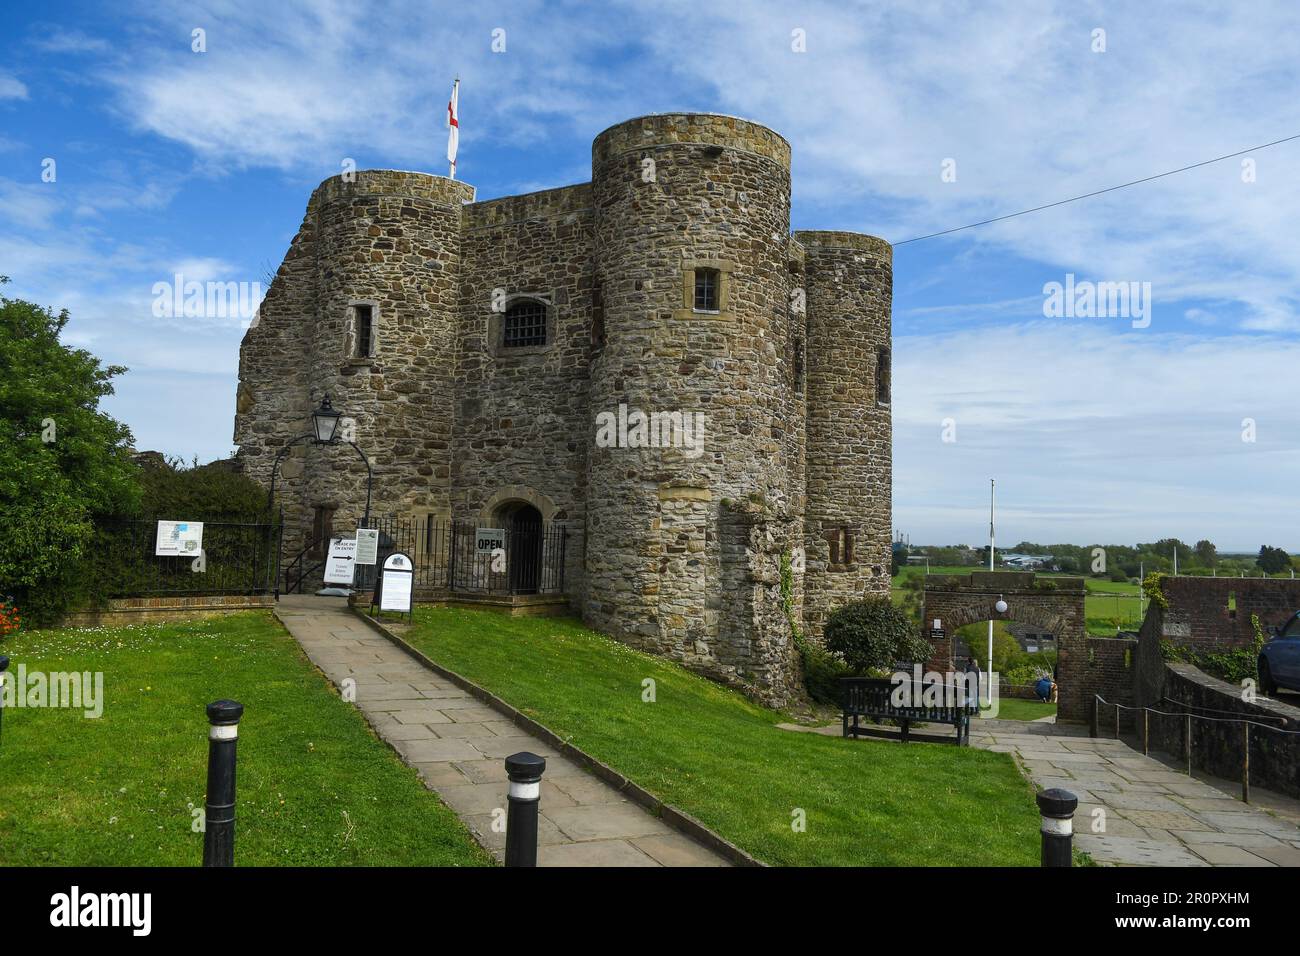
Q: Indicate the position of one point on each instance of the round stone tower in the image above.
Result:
(387, 260)
(849, 280)
(685, 204)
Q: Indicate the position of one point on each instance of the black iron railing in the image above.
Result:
(449, 555)
(120, 561)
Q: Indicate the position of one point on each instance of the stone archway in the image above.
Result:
(1054, 604)
(512, 495)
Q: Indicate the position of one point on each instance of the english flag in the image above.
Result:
(453, 126)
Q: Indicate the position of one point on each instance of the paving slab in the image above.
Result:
(1136, 851)
(457, 745)
(1154, 814)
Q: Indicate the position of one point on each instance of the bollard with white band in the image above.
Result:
(219, 815)
(524, 771)
(4, 666)
(1057, 808)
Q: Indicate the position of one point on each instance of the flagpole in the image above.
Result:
(992, 486)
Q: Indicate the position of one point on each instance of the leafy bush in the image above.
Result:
(212, 492)
(873, 633)
(822, 671)
(1233, 665)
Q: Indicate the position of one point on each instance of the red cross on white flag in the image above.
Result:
(453, 126)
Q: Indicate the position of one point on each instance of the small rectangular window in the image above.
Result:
(882, 375)
(524, 325)
(706, 290)
(365, 329)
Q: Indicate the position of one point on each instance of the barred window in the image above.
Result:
(525, 324)
(364, 330)
(706, 290)
(883, 384)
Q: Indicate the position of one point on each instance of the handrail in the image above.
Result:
(1218, 710)
(1188, 716)
(303, 571)
(1223, 720)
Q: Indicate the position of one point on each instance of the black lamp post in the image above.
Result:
(325, 431)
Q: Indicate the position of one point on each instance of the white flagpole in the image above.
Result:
(991, 497)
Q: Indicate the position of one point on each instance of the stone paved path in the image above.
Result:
(458, 745)
(1153, 815)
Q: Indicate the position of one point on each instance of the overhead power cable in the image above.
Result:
(1098, 192)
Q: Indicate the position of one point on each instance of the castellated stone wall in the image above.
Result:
(674, 550)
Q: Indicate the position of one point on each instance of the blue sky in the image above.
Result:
(172, 161)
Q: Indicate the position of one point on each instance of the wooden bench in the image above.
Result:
(873, 698)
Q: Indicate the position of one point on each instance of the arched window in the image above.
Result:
(524, 325)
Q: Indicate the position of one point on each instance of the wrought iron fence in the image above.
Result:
(237, 558)
(448, 555)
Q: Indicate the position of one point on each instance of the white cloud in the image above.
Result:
(11, 88)
(1094, 436)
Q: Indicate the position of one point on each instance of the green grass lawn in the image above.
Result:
(721, 758)
(315, 786)
(1017, 708)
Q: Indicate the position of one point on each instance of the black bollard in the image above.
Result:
(1057, 808)
(219, 815)
(4, 666)
(525, 772)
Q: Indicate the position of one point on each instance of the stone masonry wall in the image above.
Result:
(524, 413)
(671, 550)
(847, 531)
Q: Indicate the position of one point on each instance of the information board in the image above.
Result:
(395, 587)
(179, 539)
(367, 545)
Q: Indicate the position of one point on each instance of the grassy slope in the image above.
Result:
(315, 786)
(720, 758)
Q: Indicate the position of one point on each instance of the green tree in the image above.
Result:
(1207, 553)
(1273, 560)
(64, 461)
(1006, 649)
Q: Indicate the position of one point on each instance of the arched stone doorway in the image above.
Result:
(1053, 604)
(522, 522)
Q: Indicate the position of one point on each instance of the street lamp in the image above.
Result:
(325, 431)
(325, 421)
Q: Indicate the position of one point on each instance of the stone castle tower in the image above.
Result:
(478, 345)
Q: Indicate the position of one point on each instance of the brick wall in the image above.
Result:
(1216, 612)
(1088, 666)
(155, 610)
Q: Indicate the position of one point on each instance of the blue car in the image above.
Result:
(1279, 661)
